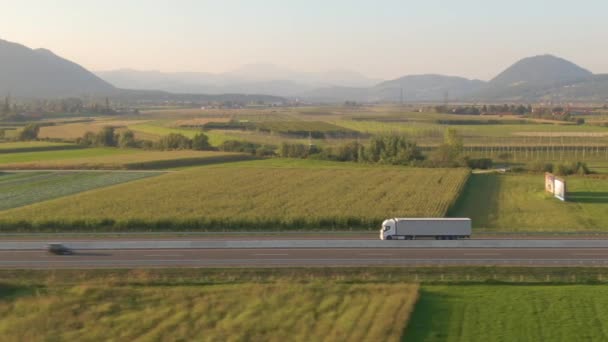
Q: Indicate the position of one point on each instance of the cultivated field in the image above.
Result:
(19, 189)
(240, 197)
(112, 158)
(510, 313)
(33, 146)
(72, 131)
(518, 202)
(242, 312)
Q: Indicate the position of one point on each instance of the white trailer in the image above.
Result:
(413, 228)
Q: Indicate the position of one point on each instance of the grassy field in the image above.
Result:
(243, 312)
(274, 197)
(510, 313)
(518, 202)
(112, 158)
(19, 189)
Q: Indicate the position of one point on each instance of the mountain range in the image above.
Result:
(39, 73)
(539, 78)
(251, 78)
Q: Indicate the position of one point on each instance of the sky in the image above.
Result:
(379, 38)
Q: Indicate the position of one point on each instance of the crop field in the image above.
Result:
(510, 313)
(243, 312)
(113, 158)
(518, 202)
(19, 189)
(230, 197)
(34, 146)
(301, 127)
(72, 131)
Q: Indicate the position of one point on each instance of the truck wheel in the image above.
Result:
(390, 237)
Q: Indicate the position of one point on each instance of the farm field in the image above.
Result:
(112, 158)
(19, 189)
(518, 203)
(510, 313)
(318, 311)
(33, 146)
(230, 197)
(72, 131)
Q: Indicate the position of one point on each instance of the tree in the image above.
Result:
(200, 142)
(449, 153)
(6, 109)
(453, 140)
(174, 141)
(127, 139)
(29, 132)
(106, 137)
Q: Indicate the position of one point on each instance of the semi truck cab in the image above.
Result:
(388, 229)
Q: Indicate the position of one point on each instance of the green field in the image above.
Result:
(518, 202)
(112, 158)
(274, 197)
(510, 313)
(19, 189)
(243, 312)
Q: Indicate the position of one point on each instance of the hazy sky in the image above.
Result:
(380, 38)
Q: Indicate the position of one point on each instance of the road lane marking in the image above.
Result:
(376, 254)
(482, 254)
(163, 255)
(594, 254)
(270, 254)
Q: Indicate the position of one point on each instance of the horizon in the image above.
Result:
(384, 41)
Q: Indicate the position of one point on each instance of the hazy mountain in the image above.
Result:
(251, 78)
(427, 88)
(39, 73)
(413, 88)
(533, 78)
(25, 72)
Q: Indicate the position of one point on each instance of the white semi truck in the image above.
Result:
(413, 228)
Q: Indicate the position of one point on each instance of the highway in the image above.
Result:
(315, 253)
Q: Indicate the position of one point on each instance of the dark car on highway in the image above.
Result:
(58, 249)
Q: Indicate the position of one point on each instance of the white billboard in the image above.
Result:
(556, 186)
(559, 188)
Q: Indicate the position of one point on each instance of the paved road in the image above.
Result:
(283, 257)
(128, 244)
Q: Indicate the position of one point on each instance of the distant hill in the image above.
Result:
(25, 72)
(427, 88)
(533, 78)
